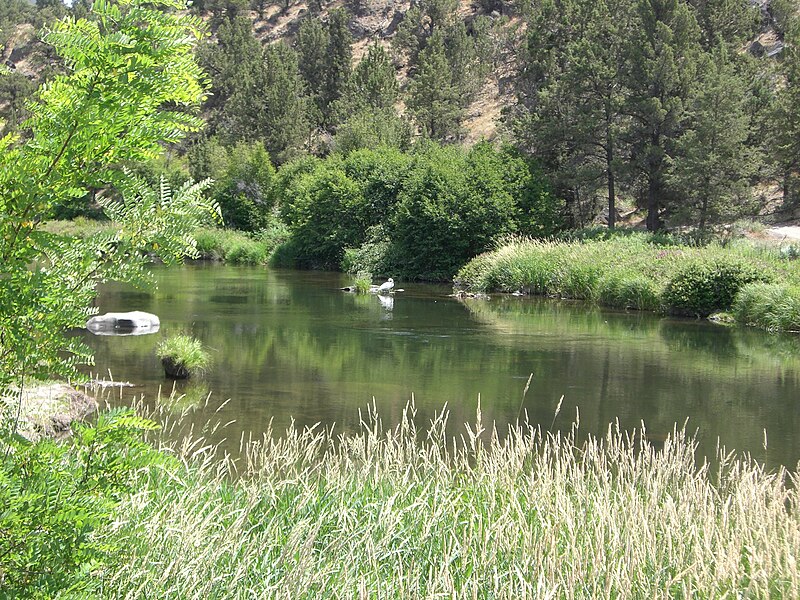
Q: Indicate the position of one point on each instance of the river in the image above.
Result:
(290, 348)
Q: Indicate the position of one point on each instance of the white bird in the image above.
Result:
(386, 287)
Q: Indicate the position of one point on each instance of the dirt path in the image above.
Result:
(785, 232)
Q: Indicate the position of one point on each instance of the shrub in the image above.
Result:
(774, 307)
(55, 497)
(237, 247)
(372, 256)
(363, 283)
(243, 176)
(452, 207)
(183, 355)
(324, 210)
(421, 215)
(245, 251)
(701, 287)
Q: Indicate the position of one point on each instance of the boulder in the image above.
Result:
(124, 323)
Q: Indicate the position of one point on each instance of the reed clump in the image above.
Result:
(635, 271)
(774, 307)
(408, 513)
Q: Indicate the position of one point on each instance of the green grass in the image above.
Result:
(79, 227)
(185, 351)
(227, 245)
(404, 513)
(363, 283)
(231, 246)
(774, 307)
(635, 271)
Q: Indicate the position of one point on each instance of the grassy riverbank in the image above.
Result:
(404, 514)
(637, 272)
(226, 245)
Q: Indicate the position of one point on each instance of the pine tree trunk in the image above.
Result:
(703, 212)
(653, 197)
(612, 201)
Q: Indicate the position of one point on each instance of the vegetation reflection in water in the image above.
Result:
(290, 347)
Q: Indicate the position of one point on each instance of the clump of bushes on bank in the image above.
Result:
(407, 514)
(633, 272)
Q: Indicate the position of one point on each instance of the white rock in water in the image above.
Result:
(135, 322)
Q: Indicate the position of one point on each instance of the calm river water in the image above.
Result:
(289, 345)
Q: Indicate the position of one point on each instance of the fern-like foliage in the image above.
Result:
(55, 497)
(131, 86)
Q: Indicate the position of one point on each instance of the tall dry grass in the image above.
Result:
(408, 513)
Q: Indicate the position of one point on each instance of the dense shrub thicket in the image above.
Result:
(420, 215)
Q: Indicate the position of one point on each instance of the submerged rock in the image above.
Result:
(135, 322)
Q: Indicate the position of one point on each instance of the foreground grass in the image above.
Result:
(407, 514)
(640, 272)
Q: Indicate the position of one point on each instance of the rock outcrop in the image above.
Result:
(124, 323)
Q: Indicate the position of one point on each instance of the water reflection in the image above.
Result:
(291, 345)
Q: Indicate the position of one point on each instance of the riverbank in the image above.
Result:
(759, 285)
(217, 244)
(405, 514)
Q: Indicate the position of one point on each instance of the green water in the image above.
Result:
(290, 346)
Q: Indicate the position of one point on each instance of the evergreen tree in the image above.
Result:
(661, 68)
(338, 63)
(232, 62)
(434, 100)
(422, 19)
(571, 101)
(272, 107)
(785, 146)
(714, 164)
(733, 21)
(373, 85)
(326, 58)
(312, 47)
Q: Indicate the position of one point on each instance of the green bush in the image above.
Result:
(774, 307)
(370, 257)
(702, 287)
(452, 206)
(243, 176)
(419, 215)
(246, 252)
(324, 210)
(381, 174)
(236, 247)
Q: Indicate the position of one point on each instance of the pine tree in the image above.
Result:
(312, 47)
(733, 21)
(326, 58)
(571, 99)
(233, 62)
(714, 163)
(661, 68)
(785, 146)
(434, 100)
(338, 63)
(373, 85)
(273, 107)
